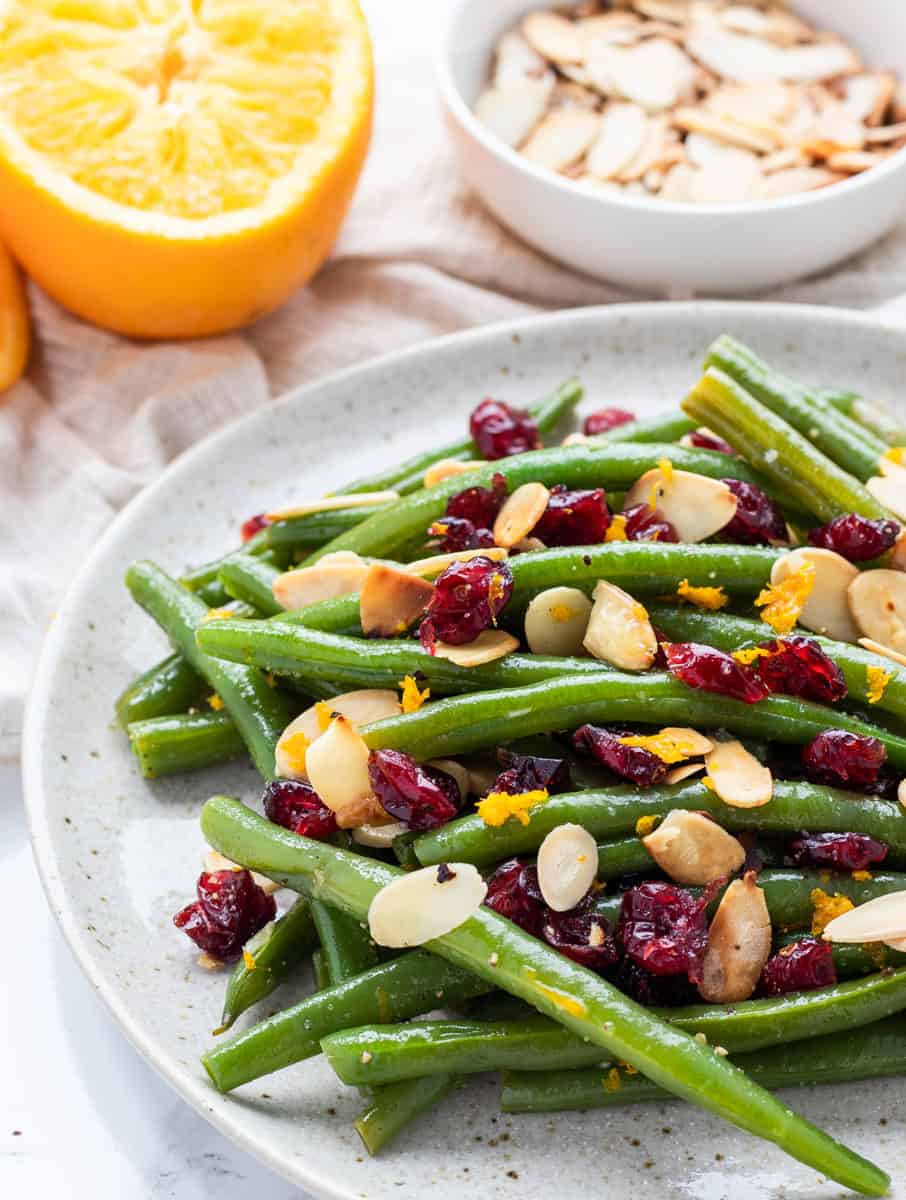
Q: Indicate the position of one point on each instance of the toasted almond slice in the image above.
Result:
(562, 138)
(834, 132)
(554, 37)
(446, 468)
(619, 631)
(683, 771)
(692, 848)
(675, 12)
(490, 645)
(874, 921)
(430, 568)
(343, 556)
(898, 944)
(732, 179)
(899, 103)
(853, 162)
(331, 503)
(889, 488)
(515, 60)
(655, 74)
(898, 553)
(700, 120)
(884, 651)
(520, 513)
(783, 160)
(743, 18)
(529, 545)
(655, 147)
(567, 866)
(455, 770)
(692, 742)
(214, 861)
(768, 100)
(379, 836)
(556, 621)
(867, 97)
(886, 133)
(795, 180)
(695, 505)
(750, 60)
(623, 129)
(739, 943)
(877, 600)
(391, 599)
(578, 439)
(511, 113)
(359, 707)
(678, 184)
(425, 904)
(827, 608)
(901, 793)
(337, 765)
(739, 778)
(567, 94)
(324, 581)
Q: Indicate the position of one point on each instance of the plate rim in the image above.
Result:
(195, 1091)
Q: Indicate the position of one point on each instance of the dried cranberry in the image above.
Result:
(757, 520)
(634, 763)
(606, 419)
(230, 908)
(644, 524)
(500, 430)
(513, 892)
(480, 505)
(254, 525)
(297, 806)
(660, 991)
(851, 851)
(797, 666)
(841, 759)
(582, 935)
(664, 929)
(421, 797)
(458, 533)
(573, 518)
(468, 597)
(799, 967)
(710, 441)
(530, 773)
(854, 537)
(712, 670)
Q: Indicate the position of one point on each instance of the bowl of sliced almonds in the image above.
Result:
(683, 145)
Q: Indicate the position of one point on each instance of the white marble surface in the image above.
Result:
(81, 1114)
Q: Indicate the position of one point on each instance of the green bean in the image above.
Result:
(873, 1052)
(774, 447)
(383, 1054)
(346, 948)
(183, 742)
(248, 578)
(268, 959)
(665, 427)
(319, 970)
(200, 577)
(459, 724)
(397, 1105)
(259, 711)
(728, 632)
(170, 686)
(505, 956)
(623, 857)
(614, 812)
(883, 424)
(831, 431)
(839, 398)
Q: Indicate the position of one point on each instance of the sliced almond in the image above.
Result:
(874, 921)
(554, 37)
(827, 608)
(520, 513)
(683, 771)
(691, 848)
(436, 564)
(331, 503)
(567, 94)
(515, 60)
(214, 861)
(567, 866)
(886, 133)
(700, 120)
(446, 468)
(324, 581)
(455, 770)
(619, 631)
(337, 766)
(425, 904)
(901, 793)
(867, 97)
(739, 943)
(783, 160)
(359, 707)
(884, 651)
(690, 741)
(834, 132)
(391, 599)
(342, 556)
(738, 777)
(877, 600)
(753, 102)
(749, 60)
(678, 184)
(656, 148)
(381, 837)
(622, 133)
(556, 621)
(562, 138)
(512, 112)
(656, 74)
(674, 11)
(490, 645)
(695, 505)
(853, 162)
(733, 178)
(795, 180)
(889, 488)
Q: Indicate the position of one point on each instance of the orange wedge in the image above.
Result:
(15, 333)
(172, 168)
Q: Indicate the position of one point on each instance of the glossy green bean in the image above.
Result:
(251, 579)
(319, 970)
(183, 742)
(170, 686)
(398, 1105)
(346, 948)
(625, 856)
(665, 427)
(505, 956)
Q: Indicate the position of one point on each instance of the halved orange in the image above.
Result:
(15, 326)
(171, 168)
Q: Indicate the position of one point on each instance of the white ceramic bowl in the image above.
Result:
(655, 245)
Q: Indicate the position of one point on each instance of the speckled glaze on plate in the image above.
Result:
(118, 855)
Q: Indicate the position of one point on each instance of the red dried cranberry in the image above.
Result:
(296, 805)
(254, 525)
(758, 520)
(644, 524)
(799, 967)
(582, 935)
(230, 908)
(664, 929)
(513, 892)
(854, 537)
(573, 518)
(712, 670)
(710, 441)
(421, 797)
(458, 533)
(659, 991)
(841, 759)
(480, 505)
(851, 851)
(468, 597)
(797, 666)
(634, 763)
(530, 773)
(500, 430)
(606, 419)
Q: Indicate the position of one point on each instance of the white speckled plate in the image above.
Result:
(119, 855)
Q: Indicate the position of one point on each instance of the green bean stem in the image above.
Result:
(398, 1105)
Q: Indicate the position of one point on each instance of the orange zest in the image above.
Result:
(782, 603)
(497, 807)
(711, 598)
(412, 697)
(878, 680)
